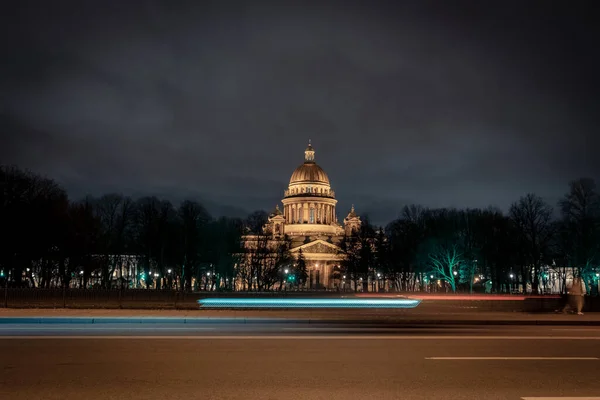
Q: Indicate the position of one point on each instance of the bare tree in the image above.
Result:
(580, 209)
(441, 250)
(257, 259)
(532, 218)
(116, 213)
(147, 214)
(193, 216)
(444, 259)
(470, 244)
(351, 265)
(256, 221)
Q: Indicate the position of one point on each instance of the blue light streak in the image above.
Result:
(307, 303)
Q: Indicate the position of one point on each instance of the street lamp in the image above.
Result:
(169, 271)
(455, 273)
(511, 276)
(286, 270)
(431, 276)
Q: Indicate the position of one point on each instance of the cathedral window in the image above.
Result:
(312, 216)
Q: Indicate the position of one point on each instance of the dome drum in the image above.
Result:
(299, 192)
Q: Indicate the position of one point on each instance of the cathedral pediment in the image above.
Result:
(318, 246)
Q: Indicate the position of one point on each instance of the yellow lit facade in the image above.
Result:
(309, 219)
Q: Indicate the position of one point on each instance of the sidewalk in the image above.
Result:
(404, 317)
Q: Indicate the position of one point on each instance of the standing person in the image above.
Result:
(576, 294)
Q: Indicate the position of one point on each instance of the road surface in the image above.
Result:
(288, 361)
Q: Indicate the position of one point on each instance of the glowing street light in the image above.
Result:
(511, 276)
(344, 277)
(208, 274)
(455, 273)
(286, 270)
(169, 271)
(431, 276)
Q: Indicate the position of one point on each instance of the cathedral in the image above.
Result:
(309, 219)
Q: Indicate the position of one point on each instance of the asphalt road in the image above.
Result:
(288, 361)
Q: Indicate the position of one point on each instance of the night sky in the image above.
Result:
(446, 103)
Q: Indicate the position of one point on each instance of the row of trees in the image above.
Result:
(528, 247)
(50, 240)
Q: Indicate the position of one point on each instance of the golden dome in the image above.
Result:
(309, 172)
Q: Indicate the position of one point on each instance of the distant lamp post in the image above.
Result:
(511, 276)
(286, 271)
(431, 276)
(169, 271)
(455, 273)
(378, 275)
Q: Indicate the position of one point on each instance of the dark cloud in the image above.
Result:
(439, 103)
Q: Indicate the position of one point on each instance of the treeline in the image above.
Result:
(52, 241)
(532, 246)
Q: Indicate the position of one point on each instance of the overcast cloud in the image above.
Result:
(464, 104)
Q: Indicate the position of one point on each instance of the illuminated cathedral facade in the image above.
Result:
(309, 220)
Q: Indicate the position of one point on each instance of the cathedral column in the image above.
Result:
(305, 213)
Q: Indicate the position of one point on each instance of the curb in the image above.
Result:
(144, 320)
(245, 320)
